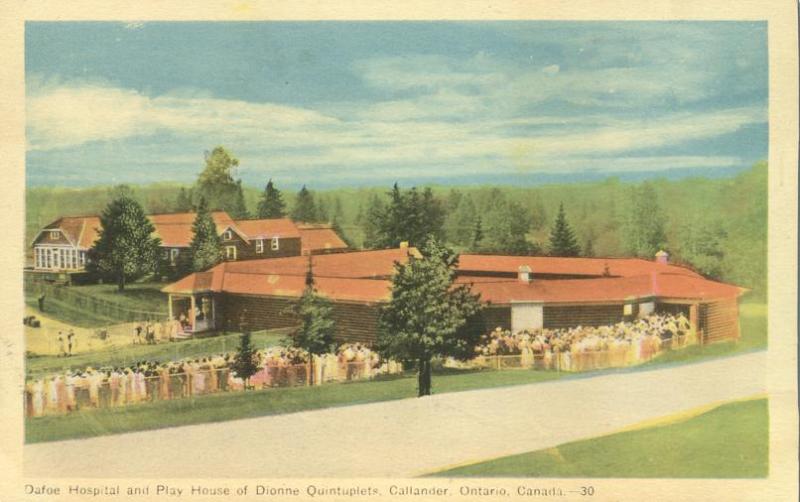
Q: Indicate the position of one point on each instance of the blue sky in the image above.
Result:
(369, 103)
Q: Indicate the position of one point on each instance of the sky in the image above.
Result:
(331, 104)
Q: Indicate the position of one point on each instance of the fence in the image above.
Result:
(64, 394)
(98, 306)
(586, 360)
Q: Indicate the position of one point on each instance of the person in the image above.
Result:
(40, 300)
(70, 336)
(61, 351)
(137, 334)
(150, 334)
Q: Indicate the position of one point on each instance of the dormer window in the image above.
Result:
(54, 235)
(228, 235)
(260, 246)
(275, 244)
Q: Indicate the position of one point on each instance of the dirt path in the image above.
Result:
(407, 437)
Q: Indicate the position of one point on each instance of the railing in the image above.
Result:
(98, 306)
(63, 394)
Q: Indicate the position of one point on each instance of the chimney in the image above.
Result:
(662, 257)
(524, 274)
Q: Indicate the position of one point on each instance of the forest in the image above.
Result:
(717, 226)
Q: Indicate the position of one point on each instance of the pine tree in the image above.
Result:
(238, 209)
(477, 234)
(126, 248)
(245, 363)
(371, 222)
(305, 209)
(427, 315)
(562, 238)
(184, 201)
(271, 204)
(206, 246)
(317, 327)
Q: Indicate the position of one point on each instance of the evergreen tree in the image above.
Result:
(271, 204)
(238, 208)
(427, 315)
(183, 203)
(409, 217)
(245, 363)
(206, 246)
(643, 229)
(323, 214)
(126, 248)
(562, 238)
(315, 334)
(371, 222)
(305, 209)
(477, 234)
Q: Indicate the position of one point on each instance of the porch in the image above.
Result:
(195, 313)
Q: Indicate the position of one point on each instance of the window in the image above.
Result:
(260, 246)
(173, 255)
(54, 235)
(228, 235)
(230, 252)
(275, 244)
(83, 258)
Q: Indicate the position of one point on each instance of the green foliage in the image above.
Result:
(245, 363)
(643, 230)
(206, 246)
(217, 186)
(305, 208)
(427, 316)
(408, 217)
(562, 238)
(507, 224)
(315, 334)
(126, 248)
(183, 203)
(271, 204)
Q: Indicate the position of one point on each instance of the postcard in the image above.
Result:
(298, 251)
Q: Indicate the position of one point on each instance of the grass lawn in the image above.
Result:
(69, 314)
(221, 407)
(146, 296)
(730, 441)
(124, 355)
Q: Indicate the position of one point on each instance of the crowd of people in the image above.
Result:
(591, 347)
(151, 380)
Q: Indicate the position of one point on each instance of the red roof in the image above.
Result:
(622, 267)
(81, 231)
(363, 276)
(268, 228)
(175, 229)
(324, 238)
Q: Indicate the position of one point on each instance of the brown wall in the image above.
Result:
(719, 321)
(581, 315)
(355, 322)
(496, 317)
(247, 251)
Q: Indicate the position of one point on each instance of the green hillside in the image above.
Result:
(719, 226)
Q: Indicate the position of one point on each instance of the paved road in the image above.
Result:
(407, 437)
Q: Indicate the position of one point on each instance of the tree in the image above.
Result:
(507, 224)
(217, 186)
(245, 363)
(643, 229)
(409, 217)
(588, 248)
(206, 246)
(305, 209)
(428, 316)
(477, 234)
(126, 248)
(371, 222)
(315, 334)
(183, 203)
(271, 204)
(562, 238)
